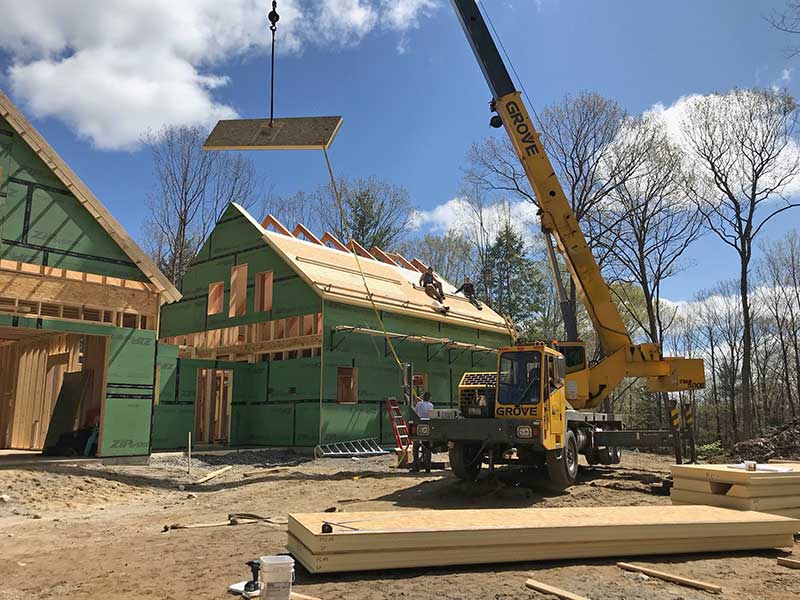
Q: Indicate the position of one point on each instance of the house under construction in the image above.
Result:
(79, 309)
(277, 340)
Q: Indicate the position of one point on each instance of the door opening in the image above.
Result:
(212, 424)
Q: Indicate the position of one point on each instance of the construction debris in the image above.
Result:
(783, 443)
(552, 591)
(693, 583)
(407, 539)
(233, 519)
(792, 563)
(213, 474)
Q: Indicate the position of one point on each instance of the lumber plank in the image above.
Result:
(759, 503)
(509, 553)
(789, 562)
(726, 474)
(369, 531)
(213, 474)
(693, 583)
(552, 590)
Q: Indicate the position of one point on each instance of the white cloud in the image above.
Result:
(457, 215)
(114, 69)
(675, 115)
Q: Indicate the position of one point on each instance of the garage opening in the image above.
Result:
(52, 387)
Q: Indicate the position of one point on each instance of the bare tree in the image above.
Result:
(301, 207)
(376, 213)
(193, 189)
(788, 21)
(578, 133)
(652, 223)
(745, 157)
(449, 254)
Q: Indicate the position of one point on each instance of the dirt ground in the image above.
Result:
(82, 530)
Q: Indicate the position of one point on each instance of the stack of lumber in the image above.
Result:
(405, 539)
(771, 488)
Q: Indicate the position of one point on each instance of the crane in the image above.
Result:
(539, 406)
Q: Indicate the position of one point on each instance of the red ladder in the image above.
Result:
(399, 425)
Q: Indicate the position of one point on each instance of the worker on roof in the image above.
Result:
(432, 286)
(423, 409)
(468, 289)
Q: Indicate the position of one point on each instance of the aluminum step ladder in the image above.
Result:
(354, 448)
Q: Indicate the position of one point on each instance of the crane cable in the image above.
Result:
(346, 228)
(273, 17)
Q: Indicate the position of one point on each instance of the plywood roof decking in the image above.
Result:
(87, 199)
(335, 276)
(361, 532)
(296, 133)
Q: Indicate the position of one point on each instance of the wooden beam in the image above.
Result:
(360, 250)
(269, 220)
(382, 256)
(685, 581)
(552, 591)
(279, 345)
(302, 229)
(329, 238)
(37, 288)
(789, 562)
(420, 266)
(403, 261)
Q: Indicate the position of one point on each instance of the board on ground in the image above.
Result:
(362, 541)
(294, 133)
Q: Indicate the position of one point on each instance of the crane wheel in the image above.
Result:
(562, 464)
(465, 461)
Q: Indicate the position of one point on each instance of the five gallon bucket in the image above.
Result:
(277, 575)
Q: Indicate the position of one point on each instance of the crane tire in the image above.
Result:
(464, 460)
(562, 464)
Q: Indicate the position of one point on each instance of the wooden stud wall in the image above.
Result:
(280, 339)
(36, 370)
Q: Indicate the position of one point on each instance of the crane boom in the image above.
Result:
(622, 358)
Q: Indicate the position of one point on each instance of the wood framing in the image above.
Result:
(301, 229)
(270, 221)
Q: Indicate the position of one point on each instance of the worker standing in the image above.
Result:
(423, 409)
(468, 289)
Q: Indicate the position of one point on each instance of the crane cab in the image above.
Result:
(531, 382)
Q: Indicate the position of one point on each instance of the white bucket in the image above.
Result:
(277, 575)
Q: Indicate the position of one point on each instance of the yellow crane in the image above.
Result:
(539, 406)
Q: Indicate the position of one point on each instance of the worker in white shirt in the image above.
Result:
(423, 409)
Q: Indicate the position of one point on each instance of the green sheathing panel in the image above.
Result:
(41, 222)
(234, 241)
(273, 404)
(129, 391)
(378, 373)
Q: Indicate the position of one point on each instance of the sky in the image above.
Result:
(93, 76)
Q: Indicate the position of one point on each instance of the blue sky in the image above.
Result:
(402, 76)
